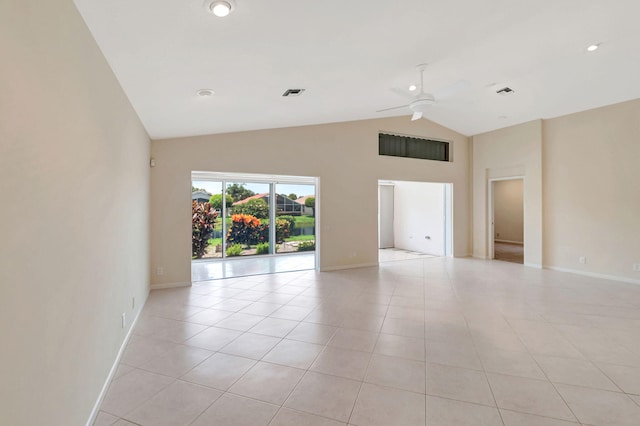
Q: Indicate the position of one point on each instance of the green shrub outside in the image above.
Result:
(256, 207)
(234, 250)
(307, 246)
(216, 201)
(311, 203)
(262, 248)
(291, 220)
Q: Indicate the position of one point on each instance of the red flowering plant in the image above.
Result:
(203, 217)
(248, 230)
(245, 229)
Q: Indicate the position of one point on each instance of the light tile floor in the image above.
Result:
(214, 269)
(437, 342)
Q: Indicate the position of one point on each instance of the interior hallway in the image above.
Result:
(438, 341)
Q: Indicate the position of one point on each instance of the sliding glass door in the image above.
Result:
(248, 215)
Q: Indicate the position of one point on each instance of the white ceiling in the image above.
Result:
(349, 54)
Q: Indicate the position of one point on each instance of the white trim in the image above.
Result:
(252, 177)
(490, 231)
(114, 368)
(169, 285)
(595, 275)
(509, 242)
(272, 180)
(533, 265)
(477, 256)
(339, 268)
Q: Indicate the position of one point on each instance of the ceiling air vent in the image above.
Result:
(505, 91)
(293, 92)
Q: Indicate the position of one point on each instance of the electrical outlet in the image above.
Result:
(636, 267)
(582, 259)
(124, 319)
(159, 270)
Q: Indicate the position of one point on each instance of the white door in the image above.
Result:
(385, 216)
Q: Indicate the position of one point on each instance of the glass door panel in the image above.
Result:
(247, 221)
(295, 218)
(206, 242)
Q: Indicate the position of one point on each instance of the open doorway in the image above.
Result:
(414, 220)
(507, 201)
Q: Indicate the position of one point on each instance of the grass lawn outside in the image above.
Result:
(301, 238)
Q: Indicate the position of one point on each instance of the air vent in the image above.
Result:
(293, 92)
(505, 91)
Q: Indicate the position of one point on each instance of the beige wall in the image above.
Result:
(343, 155)
(508, 210)
(419, 210)
(70, 263)
(592, 190)
(512, 151)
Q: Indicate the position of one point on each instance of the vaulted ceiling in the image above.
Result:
(354, 57)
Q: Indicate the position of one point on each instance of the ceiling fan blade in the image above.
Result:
(392, 108)
(416, 116)
(403, 93)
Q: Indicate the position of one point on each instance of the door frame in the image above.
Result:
(490, 216)
(272, 180)
(448, 211)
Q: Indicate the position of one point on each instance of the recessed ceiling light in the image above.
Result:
(220, 8)
(205, 92)
(593, 47)
(412, 88)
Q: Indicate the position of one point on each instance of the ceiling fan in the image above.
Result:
(421, 102)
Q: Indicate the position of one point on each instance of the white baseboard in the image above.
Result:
(114, 368)
(521, 243)
(169, 285)
(475, 256)
(595, 275)
(533, 265)
(339, 268)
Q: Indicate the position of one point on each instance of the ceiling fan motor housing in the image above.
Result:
(422, 104)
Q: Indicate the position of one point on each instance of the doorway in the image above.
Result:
(507, 231)
(414, 220)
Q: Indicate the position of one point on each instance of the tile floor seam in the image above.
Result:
(306, 371)
(609, 377)
(124, 416)
(355, 401)
(484, 371)
(556, 389)
(208, 406)
(543, 416)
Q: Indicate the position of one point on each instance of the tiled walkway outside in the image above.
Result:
(435, 342)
